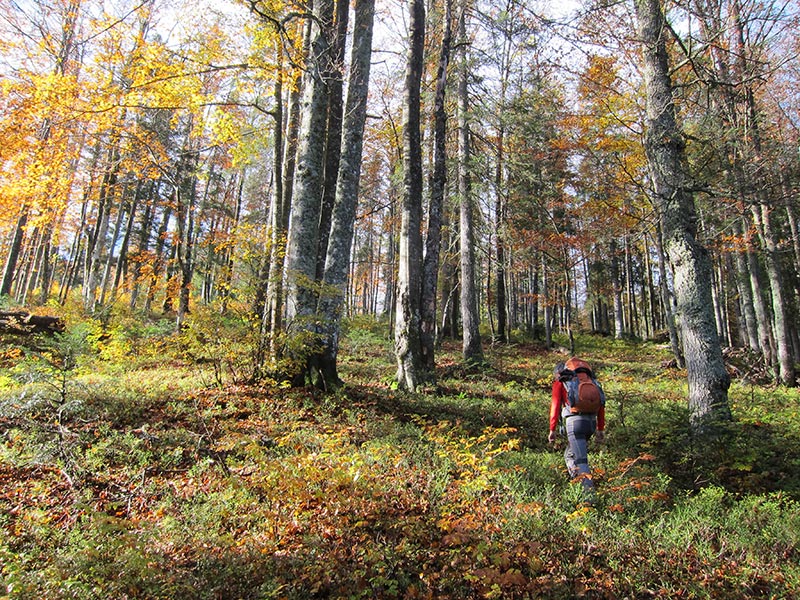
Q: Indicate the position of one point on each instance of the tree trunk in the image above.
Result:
(186, 199)
(791, 217)
(71, 267)
(97, 240)
(262, 305)
(143, 245)
(547, 298)
(347, 187)
(500, 226)
(785, 357)
(104, 282)
(471, 342)
(158, 259)
(301, 257)
(408, 346)
(390, 268)
(746, 296)
(630, 294)
(126, 239)
(449, 287)
(708, 378)
(765, 337)
(27, 275)
(438, 181)
(651, 320)
(333, 142)
(275, 291)
(616, 285)
(10, 269)
(716, 298)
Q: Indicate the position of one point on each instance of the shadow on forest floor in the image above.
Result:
(748, 457)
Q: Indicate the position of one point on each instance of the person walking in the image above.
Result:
(578, 401)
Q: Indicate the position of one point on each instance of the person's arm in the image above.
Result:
(555, 408)
(601, 424)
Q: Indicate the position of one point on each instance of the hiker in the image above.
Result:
(581, 417)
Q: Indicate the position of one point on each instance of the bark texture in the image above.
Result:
(708, 378)
(408, 347)
(304, 219)
(471, 344)
(340, 243)
(438, 181)
(335, 83)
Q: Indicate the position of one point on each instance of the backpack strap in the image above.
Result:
(566, 375)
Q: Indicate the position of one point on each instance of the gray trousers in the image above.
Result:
(579, 429)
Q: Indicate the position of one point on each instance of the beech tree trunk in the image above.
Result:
(616, 286)
(438, 181)
(186, 200)
(765, 336)
(408, 346)
(785, 357)
(471, 343)
(97, 241)
(347, 186)
(547, 298)
(13, 253)
(750, 324)
(122, 262)
(275, 289)
(143, 245)
(667, 300)
(270, 270)
(708, 378)
(107, 269)
(158, 260)
(333, 142)
(301, 256)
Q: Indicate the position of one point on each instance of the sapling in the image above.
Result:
(47, 400)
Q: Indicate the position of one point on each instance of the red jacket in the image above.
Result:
(559, 400)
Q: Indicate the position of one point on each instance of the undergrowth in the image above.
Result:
(131, 470)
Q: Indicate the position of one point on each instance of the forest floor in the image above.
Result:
(131, 469)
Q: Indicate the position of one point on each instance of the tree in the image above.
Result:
(340, 241)
(301, 255)
(408, 347)
(37, 165)
(334, 81)
(708, 378)
(471, 341)
(438, 181)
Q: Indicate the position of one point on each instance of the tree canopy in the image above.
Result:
(160, 155)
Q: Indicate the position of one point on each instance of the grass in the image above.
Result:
(125, 479)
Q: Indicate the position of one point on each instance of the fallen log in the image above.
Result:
(24, 323)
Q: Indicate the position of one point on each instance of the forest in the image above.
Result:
(284, 283)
